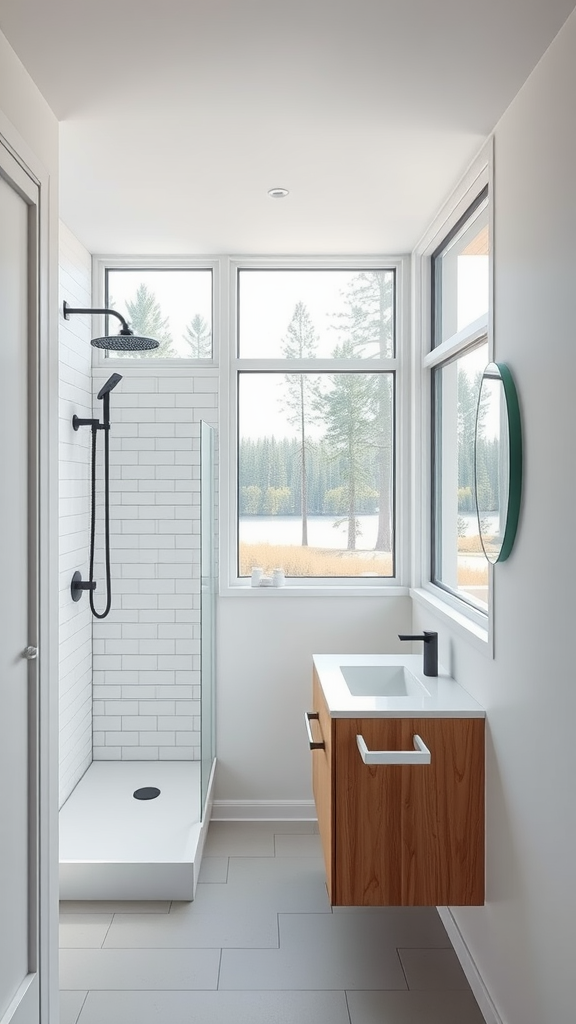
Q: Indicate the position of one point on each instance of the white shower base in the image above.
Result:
(114, 847)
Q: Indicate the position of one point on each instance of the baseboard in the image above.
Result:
(475, 980)
(263, 810)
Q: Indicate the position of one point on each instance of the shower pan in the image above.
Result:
(134, 829)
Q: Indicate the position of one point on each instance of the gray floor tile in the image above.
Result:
(318, 951)
(139, 968)
(239, 839)
(431, 969)
(244, 912)
(79, 931)
(215, 920)
(298, 846)
(418, 927)
(259, 870)
(215, 1008)
(213, 870)
(413, 1008)
(114, 907)
(70, 1006)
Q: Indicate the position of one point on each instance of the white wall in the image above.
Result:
(147, 651)
(75, 372)
(523, 940)
(264, 671)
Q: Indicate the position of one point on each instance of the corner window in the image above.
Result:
(460, 351)
(171, 305)
(315, 386)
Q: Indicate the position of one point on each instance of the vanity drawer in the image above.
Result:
(401, 834)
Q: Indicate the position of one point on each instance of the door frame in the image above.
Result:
(43, 414)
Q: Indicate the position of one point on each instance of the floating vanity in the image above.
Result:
(398, 779)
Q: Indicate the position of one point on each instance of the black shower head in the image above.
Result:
(109, 385)
(125, 341)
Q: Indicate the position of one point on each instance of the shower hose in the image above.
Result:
(95, 427)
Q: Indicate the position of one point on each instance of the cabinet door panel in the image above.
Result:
(368, 816)
(443, 815)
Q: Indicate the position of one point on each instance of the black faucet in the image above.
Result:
(430, 650)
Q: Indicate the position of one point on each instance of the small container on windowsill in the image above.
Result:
(278, 578)
(256, 576)
(265, 581)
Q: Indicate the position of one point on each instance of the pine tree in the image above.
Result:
(349, 415)
(198, 336)
(301, 389)
(368, 325)
(145, 318)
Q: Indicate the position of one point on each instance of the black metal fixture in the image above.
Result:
(146, 793)
(77, 585)
(125, 341)
(430, 650)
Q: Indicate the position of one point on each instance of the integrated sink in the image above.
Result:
(382, 681)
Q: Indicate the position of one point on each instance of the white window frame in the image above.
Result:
(102, 263)
(230, 583)
(470, 622)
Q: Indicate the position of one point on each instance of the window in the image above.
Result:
(315, 392)
(172, 305)
(459, 353)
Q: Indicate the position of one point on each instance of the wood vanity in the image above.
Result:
(399, 834)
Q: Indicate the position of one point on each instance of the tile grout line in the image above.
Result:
(82, 1007)
(347, 1006)
(402, 967)
(107, 930)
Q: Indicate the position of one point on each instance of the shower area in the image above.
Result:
(137, 734)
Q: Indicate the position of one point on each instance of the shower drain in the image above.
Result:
(146, 793)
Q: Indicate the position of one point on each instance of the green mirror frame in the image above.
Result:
(509, 437)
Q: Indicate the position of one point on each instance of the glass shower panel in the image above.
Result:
(208, 570)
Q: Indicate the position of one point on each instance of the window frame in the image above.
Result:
(230, 583)
(102, 263)
(465, 618)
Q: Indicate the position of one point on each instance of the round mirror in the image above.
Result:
(497, 462)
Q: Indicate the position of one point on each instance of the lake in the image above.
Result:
(322, 533)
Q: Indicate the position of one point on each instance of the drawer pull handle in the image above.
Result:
(308, 715)
(420, 754)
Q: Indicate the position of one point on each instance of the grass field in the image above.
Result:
(323, 562)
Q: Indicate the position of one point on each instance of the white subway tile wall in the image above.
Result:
(146, 654)
(75, 677)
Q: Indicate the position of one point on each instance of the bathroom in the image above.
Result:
(517, 947)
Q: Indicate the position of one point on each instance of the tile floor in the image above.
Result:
(259, 945)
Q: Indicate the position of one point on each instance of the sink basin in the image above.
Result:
(382, 681)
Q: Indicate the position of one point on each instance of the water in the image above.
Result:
(322, 532)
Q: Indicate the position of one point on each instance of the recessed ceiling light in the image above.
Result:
(277, 193)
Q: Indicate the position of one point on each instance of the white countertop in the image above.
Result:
(445, 698)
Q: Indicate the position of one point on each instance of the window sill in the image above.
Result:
(477, 635)
(322, 590)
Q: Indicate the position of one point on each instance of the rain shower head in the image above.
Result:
(109, 385)
(125, 341)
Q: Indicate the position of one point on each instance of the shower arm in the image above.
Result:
(69, 310)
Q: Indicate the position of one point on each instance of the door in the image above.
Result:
(19, 915)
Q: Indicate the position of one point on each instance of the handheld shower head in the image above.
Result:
(109, 385)
(125, 341)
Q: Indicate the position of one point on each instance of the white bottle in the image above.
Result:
(278, 578)
(256, 576)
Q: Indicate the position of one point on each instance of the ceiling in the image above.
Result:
(177, 117)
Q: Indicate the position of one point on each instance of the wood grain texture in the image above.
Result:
(323, 782)
(368, 816)
(409, 835)
(443, 815)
